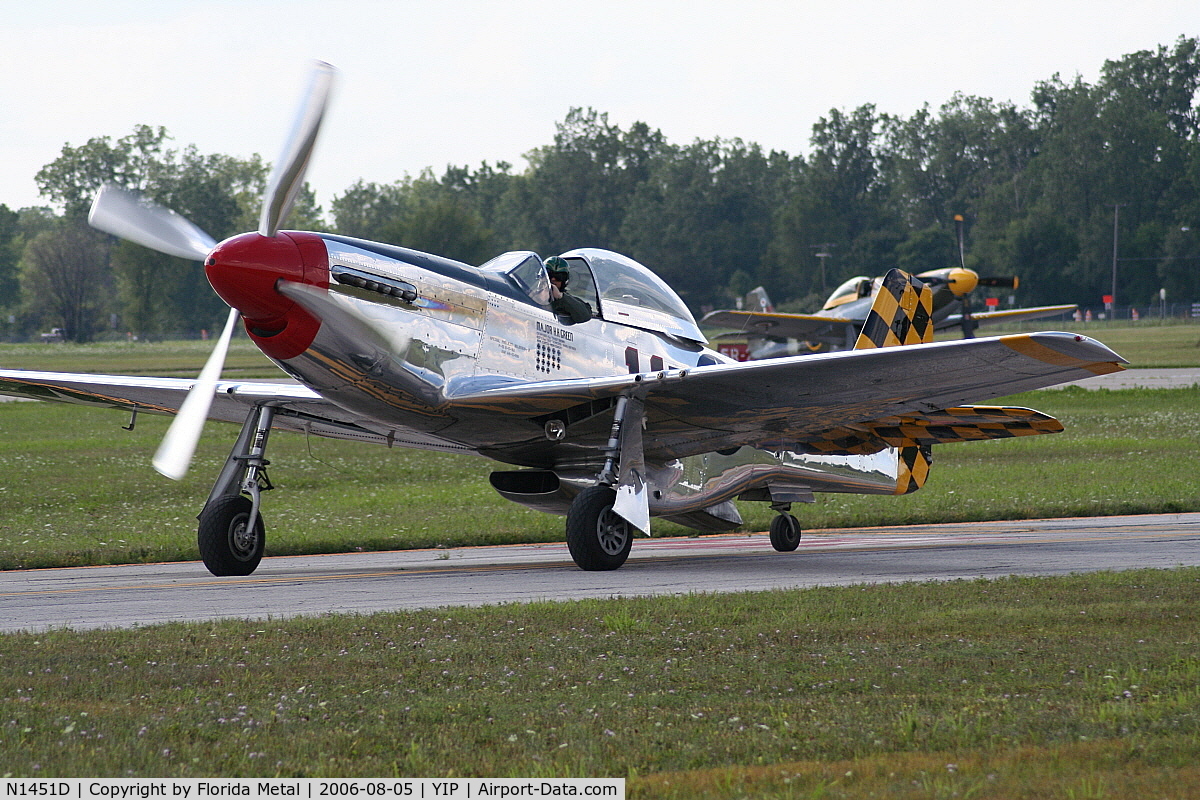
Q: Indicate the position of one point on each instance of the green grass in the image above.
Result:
(1054, 687)
(1123, 452)
(1084, 686)
(1153, 345)
(1146, 344)
(76, 489)
(171, 359)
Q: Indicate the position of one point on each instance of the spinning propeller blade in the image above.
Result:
(1000, 283)
(968, 324)
(174, 455)
(287, 176)
(960, 233)
(138, 219)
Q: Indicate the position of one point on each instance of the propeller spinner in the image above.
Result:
(243, 270)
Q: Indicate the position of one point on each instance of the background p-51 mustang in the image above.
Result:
(610, 421)
(766, 333)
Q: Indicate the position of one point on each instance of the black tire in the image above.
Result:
(785, 533)
(598, 538)
(228, 545)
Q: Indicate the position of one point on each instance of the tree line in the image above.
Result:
(1047, 190)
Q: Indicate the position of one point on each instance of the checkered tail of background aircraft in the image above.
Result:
(902, 314)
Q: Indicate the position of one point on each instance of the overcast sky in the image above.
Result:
(427, 84)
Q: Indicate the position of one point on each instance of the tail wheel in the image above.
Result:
(229, 543)
(598, 537)
(785, 533)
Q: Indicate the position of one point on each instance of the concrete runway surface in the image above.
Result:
(1159, 378)
(148, 594)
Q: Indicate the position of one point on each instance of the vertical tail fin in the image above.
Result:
(901, 314)
(757, 300)
(914, 463)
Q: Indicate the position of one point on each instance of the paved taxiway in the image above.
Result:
(1160, 378)
(146, 594)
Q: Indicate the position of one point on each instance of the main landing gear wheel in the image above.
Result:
(229, 544)
(785, 533)
(598, 537)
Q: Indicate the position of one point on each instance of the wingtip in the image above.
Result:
(1068, 350)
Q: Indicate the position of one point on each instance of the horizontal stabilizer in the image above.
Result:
(964, 424)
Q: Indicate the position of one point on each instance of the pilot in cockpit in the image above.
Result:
(561, 302)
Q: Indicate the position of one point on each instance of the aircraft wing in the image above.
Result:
(806, 327)
(836, 402)
(298, 408)
(1008, 315)
(808, 402)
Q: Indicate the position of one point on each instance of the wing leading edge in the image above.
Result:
(298, 408)
(849, 401)
(807, 402)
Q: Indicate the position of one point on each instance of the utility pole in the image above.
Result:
(822, 253)
(1116, 217)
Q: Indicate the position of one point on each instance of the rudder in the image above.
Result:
(901, 314)
(913, 464)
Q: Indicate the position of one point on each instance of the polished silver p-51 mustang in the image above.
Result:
(611, 421)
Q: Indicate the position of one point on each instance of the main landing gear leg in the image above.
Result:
(598, 537)
(785, 529)
(231, 533)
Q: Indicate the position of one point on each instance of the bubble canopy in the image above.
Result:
(627, 292)
(631, 294)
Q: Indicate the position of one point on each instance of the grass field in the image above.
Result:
(1075, 687)
(76, 489)
(1166, 346)
(1145, 344)
(1151, 343)
(171, 359)
(1016, 688)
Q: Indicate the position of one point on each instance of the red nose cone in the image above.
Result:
(244, 271)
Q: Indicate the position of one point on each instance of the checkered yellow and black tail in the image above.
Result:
(913, 465)
(901, 314)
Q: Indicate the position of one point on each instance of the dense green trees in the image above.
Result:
(129, 289)
(66, 277)
(1039, 185)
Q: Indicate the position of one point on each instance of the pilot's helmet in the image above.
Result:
(557, 267)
